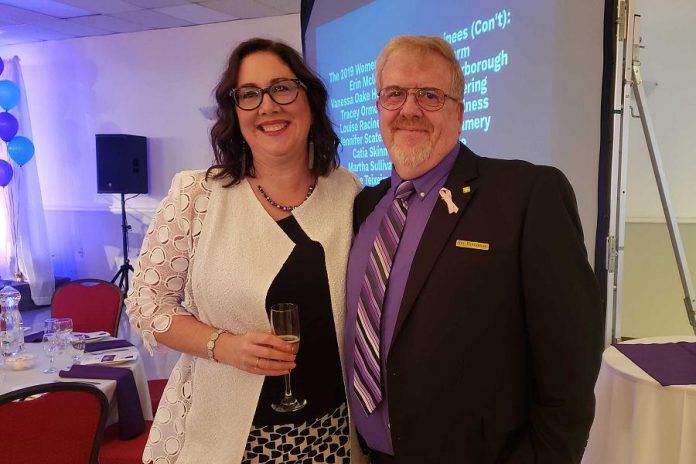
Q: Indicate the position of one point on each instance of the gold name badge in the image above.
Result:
(474, 245)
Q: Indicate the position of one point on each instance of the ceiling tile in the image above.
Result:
(197, 14)
(27, 33)
(109, 23)
(156, 3)
(101, 6)
(152, 19)
(286, 6)
(65, 26)
(20, 16)
(242, 8)
(48, 7)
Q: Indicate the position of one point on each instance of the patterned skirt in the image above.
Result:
(326, 439)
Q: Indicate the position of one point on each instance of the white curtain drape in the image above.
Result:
(28, 245)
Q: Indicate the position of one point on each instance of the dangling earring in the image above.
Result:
(310, 155)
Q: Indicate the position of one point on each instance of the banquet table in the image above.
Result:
(637, 420)
(11, 380)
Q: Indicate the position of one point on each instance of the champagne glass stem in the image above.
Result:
(288, 389)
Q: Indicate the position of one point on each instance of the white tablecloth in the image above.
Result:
(11, 380)
(638, 421)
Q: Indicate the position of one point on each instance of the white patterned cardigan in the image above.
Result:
(213, 252)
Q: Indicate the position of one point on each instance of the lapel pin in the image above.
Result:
(466, 189)
(446, 196)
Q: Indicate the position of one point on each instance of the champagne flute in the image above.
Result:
(285, 321)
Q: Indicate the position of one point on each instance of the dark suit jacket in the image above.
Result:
(495, 352)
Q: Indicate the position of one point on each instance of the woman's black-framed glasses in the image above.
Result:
(283, 92)
(428, 98)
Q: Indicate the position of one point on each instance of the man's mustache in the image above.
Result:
(406, 123)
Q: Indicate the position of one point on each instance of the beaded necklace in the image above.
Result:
(285, 208)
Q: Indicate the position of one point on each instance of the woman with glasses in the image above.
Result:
(269, 223)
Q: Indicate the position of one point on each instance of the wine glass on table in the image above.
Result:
(51, 346)
(285, 322)
(78, 343)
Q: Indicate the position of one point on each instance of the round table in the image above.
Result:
(11, 380)
(637, 420)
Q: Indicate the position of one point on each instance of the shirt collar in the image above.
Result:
(425, 183)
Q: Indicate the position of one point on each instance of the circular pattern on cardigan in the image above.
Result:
(186, 390)
(161, 323)
(187, 181)
(201, 204)
(197, 227)
(181, 243)
(170, 395)
(179, 264)
(185, 226)
(155, 434)
(163, 415)
(148, 308)
(157, 256)
(151, 276)
(185, 202)
(169, 212)
(163, 234)
(172, 446)
(147, 452)
(175, 283)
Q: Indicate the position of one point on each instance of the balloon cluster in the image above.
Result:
(20, 149)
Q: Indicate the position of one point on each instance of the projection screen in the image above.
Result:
(533, 74)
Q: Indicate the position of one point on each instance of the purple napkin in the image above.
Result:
(668, 363)
(34, 338)
(107, 345)
(130, 414)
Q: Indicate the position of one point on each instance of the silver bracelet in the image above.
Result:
(211, 344)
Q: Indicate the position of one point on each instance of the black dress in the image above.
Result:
(319, 432)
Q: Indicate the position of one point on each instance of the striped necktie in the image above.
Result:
(367, 373)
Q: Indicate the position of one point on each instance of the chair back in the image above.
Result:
(64, 425)
(92, 304)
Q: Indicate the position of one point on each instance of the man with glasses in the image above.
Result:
(473, 325)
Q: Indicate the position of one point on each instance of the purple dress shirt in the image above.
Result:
(375, 427)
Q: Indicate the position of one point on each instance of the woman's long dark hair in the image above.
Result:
(233, 160)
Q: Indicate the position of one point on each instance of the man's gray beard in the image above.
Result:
(411, 157)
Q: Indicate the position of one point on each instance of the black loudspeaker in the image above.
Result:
(121, 163)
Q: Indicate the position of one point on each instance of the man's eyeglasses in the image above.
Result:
(428, 98)
(283, 92)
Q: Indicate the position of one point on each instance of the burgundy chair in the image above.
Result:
(92, 304)
(60, 423)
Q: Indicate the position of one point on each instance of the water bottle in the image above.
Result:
(11, 331)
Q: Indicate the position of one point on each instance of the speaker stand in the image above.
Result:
(122, 274)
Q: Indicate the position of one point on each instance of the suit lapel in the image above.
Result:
(438, 230)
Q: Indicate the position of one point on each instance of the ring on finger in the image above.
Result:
(257, 362)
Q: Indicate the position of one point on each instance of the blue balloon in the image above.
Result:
(2, 65)
(8, 126)
(20, 149)
(9, 95)
(5, 173)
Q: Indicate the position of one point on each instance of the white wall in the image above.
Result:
(147, 83)
(653, 296)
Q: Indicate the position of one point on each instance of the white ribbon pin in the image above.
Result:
(446, 196)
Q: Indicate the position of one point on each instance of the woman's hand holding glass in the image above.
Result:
(256, 352)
